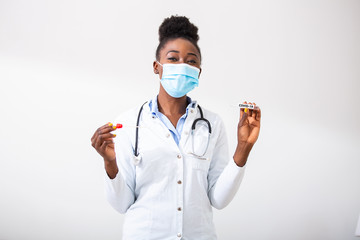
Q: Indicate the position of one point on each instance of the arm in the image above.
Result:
(247, 134)
(119, 185)
(224, 175)
(225, 179)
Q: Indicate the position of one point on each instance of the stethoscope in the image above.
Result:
(137, 157)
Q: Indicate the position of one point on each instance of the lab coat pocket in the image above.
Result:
(200, 163)
(199, 140)
(198, 148)
(199, 172)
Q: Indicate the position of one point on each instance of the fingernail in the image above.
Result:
(119, 125)
(114, 127)
(246, 110)
(110, 124)
(114, 135)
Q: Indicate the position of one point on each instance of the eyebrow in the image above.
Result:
(193, 54)
(175, 51)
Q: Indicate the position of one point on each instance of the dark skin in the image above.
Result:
(180, 51)
(175, 51)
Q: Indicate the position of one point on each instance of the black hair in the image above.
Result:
(177, 27)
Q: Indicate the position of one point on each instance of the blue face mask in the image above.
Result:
(179, 79)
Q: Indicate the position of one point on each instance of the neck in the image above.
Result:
(170, 106)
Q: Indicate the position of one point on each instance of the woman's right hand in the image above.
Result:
(102, 141)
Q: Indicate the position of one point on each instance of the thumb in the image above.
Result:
(243, 116)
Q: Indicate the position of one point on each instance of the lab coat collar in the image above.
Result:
(153, 105)
(150, 115)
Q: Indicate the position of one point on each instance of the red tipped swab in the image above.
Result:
(119, 125)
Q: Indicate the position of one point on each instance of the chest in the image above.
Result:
(164, 162)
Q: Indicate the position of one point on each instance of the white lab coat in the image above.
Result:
(170, 193)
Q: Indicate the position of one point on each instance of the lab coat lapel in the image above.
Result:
(186, 132)
(157, 128)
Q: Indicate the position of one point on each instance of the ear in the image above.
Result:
(200, 72)
(156, 67)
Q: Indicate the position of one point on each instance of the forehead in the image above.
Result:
(181, 45)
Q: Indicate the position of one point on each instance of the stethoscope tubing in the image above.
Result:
(193, 126)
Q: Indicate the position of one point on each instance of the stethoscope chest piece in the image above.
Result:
(136, 160)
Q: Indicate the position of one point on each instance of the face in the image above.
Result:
(178, 51)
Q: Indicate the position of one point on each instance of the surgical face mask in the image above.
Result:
(179, 79)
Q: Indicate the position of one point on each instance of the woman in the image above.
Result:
(164, 175)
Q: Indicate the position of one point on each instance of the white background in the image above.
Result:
(67, 67)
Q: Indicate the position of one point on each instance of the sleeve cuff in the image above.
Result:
(236, 167)
(234, 172)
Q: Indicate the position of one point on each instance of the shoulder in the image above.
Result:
(216, 122)
(218, 130)
(127, 115)
(128, 119)
(130, 115)
(213, 117)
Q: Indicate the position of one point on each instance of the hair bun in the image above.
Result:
(178, 26)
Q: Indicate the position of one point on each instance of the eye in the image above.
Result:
(172, 59)
(192, 62)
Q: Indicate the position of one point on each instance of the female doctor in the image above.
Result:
(168, 173)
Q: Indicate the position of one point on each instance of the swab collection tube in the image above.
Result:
(249, 106)
(119, 125)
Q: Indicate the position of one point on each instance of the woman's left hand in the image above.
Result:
(249, 125)
(247, 134)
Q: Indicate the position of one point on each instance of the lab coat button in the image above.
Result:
(192, 111)
(179, 235)
(178, 156)
(179, 209)
(179, 182)
(168, 135)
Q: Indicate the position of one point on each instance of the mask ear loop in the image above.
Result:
(157, 71)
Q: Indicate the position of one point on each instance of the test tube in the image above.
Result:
(249, 106)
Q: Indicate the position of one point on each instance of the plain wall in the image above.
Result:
(67, 67)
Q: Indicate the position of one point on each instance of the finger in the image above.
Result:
(108, 127)
(107, 143)
(105, 137)
(243, 119)
(251, 110)
(98, 142)
(104, 128)
(258, 115)
(101, 138)
(255, 111)
(94, 138)
(242, 111)
(93, 142)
